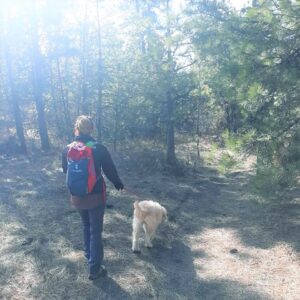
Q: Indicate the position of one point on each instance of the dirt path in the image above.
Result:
(220, 242)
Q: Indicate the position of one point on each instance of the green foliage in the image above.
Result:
(213, 151)
(272, 180)
(237, 143)
(254, 63)
(227, 163)
(209, 69)
(278, 164)
(234, 147)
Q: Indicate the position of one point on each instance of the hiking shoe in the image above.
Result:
(101, 273)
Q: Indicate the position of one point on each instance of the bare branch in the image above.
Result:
(186, 66)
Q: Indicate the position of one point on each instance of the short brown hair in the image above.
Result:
(84, 125)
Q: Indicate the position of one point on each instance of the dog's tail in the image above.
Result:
(139, 212)
(165, 214)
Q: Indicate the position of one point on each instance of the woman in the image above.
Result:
(92, 206)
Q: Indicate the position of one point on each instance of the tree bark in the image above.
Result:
(171, 157)
(100, 79)
(54, 99)
(64, 101)
(37, 79)
(198, 128)
(12, 95)
(117, 121)
(84, 103)
(15, 101)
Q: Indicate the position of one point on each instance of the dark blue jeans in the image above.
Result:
(92, 220)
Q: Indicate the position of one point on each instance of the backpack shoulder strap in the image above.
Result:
(90, 144)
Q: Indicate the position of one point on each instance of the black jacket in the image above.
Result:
(103, 162)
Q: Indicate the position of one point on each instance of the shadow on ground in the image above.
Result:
(179, 279)
(42, 235)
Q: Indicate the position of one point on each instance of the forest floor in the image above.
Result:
(221, 242)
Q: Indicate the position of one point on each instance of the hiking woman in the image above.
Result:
(89, 203)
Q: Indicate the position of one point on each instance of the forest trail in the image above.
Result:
(219, 243)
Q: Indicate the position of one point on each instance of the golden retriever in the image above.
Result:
(147, 214)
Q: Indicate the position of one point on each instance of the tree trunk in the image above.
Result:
(64, 101)
(117, 122)
(54, 100)
(84, 103)
(37, 78)
(100, 80)
(171, 157)
(15, 102)
(13, 95)
(198, 128)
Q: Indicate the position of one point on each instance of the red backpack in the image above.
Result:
(81, 173)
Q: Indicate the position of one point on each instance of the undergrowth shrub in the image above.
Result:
(278, 165)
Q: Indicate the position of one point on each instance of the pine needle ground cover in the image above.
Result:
(221, 242)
